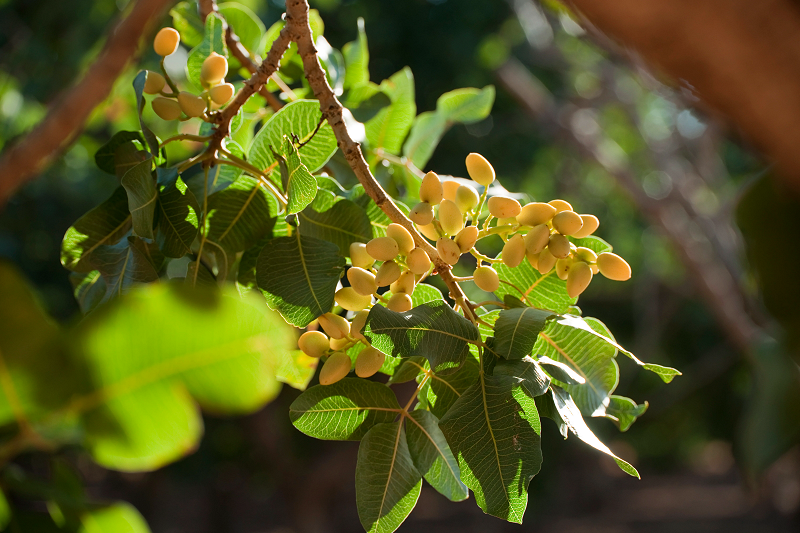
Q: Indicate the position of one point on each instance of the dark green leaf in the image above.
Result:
(387, 482)
(529, 374)
(335, 220)
(345, 410)
(104, 157)
(126, 263)
(442, 391)
(408, 369)
(213, 41)
(105, 224)
(89, 289)
(432, 455)
(240, 215)
(516, 331)
(142, 197)
(299, 118)
(178, 214)
(149, 136)
(547, 408)
(298, 276)
(489, 430)
(432, 330)
(574, 420)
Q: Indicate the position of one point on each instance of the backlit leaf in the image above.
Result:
(432, 455)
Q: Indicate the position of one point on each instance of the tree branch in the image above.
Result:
(297, 23)
(67, 115)
(237, 50)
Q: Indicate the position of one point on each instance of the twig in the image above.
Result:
(300, 30)
(67, 115)
(238, 51)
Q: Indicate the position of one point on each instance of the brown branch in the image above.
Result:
(256, 82)
(237, 50)
(297, 23)
(67, 115)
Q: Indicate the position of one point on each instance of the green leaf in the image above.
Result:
(126, 263)
(536, 290)
(299, 184)
(241, 215)
(332, 62)
(36, 375)
(432, 330)
(246, 24)
(528, 373)
(299, 118)
(466, 105)
(128, 155)
(120, 517)
(408, 369)
(105, 224)
(104, 157)
(432, 455)
(666, 373)
(186, 20)
(377, 217)
(219, 176)
(547, 408)
(498, 450)
(150, 370)
(427, 131)
(365, 100)
(356, 59)
(177, 214)
(517, 330)
(298, 276)
(142, 196)
(442, 391)
(89, 289)
(587, 355)
(213, 41)
(335, 220)
(572, 417)
(5, 512)
(149, 136)
(387, 482)
(296, 369)
(389, 127)
(345, 410)
(624, 411)
(561, 371)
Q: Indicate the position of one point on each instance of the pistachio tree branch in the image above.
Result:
(256, 82)
(298, 25)
(237, 50)
(67, 115)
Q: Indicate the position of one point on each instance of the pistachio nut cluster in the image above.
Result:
(183, 105)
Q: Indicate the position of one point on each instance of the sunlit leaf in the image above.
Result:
(241, 214)
(213, 41)
(120, 517)
(389, 127)
(356, 59)
(345, 410)
(572, 417)
(246, 24)
(177, 214)
(624, 411)
(536, 290)
(387, 482)
(150, 370)
(296, 369)
(466, 105)
(299, 184)
(516, 331)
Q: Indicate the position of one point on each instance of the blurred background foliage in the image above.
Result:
(575, 117)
